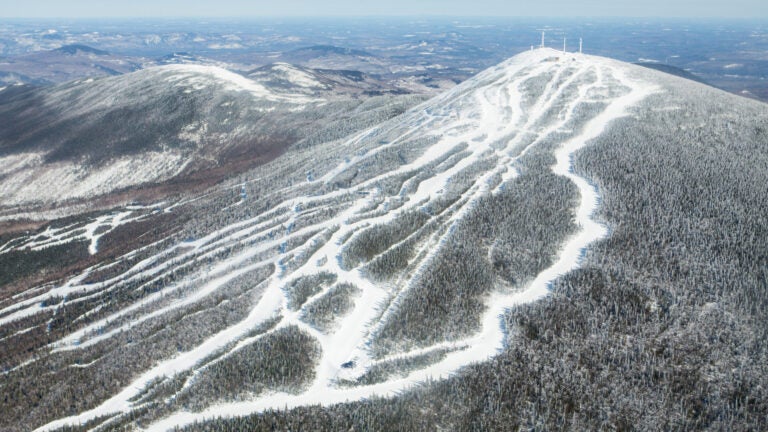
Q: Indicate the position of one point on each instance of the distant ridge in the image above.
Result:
(331, 49)
(673, 70)
(75, 48)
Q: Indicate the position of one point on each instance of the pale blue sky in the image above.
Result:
(259, 8)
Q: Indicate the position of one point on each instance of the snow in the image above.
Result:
(75, 232)
(20, 332)
(225, 46)
(197, 77)
(487, 112)
(33, 182)
(296, 76)
(108, 222)
(194, 132)
(10, 164)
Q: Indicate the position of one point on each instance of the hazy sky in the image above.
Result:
(257, 8)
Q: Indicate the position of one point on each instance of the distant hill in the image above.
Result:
(331, 82)
(77, 49)
(672, 70)
(330, 49)
(64, 64)
(336, 58)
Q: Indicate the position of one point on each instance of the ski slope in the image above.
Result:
(490, 121)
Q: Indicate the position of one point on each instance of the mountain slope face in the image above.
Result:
(584, 225)
(187, 123)
(325, 81)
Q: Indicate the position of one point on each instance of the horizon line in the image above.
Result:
(391, 16)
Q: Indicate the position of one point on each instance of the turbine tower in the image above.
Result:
(563, 45)
(542, 39)
(580, 45)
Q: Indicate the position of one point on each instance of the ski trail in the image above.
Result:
(488, 117)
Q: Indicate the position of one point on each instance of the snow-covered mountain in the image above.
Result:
(185, 58)
(89, 138)
(297, 79)
(446, 259)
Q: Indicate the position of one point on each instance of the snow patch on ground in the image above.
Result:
(296, 76)
(33, 182)
(197, 77)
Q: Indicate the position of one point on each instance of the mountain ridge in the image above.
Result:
(192, 117)
(77, 48)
